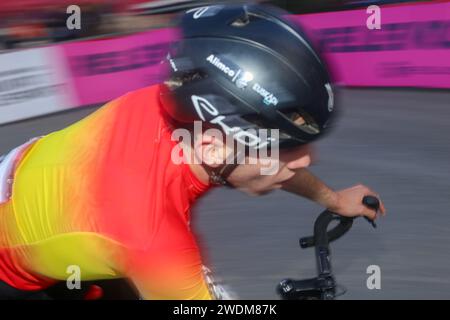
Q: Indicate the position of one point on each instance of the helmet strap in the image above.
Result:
(219, 176)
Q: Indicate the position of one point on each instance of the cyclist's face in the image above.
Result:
(256, 176)
(249, 177)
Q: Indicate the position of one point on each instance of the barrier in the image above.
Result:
(104, 69)
(33, 83)
(412, 48)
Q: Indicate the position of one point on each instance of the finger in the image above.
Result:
(382, 207)
(369, 213)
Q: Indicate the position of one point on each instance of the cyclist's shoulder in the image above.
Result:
(141, 104)
(144, 95)
(135, 104)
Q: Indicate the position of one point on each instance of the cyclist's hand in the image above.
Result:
(349, 203)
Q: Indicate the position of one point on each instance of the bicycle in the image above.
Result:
(322, 287)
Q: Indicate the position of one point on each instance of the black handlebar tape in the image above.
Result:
(307, 242)
(338, 231)
(344, 225)
(342, 228)
(320, 228)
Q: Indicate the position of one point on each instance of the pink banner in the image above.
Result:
(412, 48)
(101, 70)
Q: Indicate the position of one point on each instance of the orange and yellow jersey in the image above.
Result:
(104, 195)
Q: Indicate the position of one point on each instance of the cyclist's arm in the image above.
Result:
(347, 202)
(307, 185)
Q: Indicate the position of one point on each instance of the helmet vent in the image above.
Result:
(241, 22)
(179, 80)
(302, 121)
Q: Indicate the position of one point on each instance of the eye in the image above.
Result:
(303, 121)
(297, 119)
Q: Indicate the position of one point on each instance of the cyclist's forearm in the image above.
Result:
(305, 184)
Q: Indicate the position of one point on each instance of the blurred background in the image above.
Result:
(393, 134)
(29, 23)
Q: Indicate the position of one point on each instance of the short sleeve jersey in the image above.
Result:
(103, 197)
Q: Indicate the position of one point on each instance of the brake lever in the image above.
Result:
(371, 222)
(373, 203)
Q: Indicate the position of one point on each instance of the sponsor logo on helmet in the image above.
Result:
(243, 80)
(205, 11)
(235, 74)
(215, 61)
(269, 98)
(172, 63)
(330, 97)
(247, 138)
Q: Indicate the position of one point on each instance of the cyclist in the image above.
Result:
(104, 198)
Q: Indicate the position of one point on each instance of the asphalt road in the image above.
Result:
(396, 142)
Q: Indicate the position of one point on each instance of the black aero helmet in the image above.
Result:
(244, 67)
